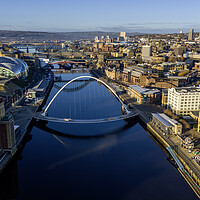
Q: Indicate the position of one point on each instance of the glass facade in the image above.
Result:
(6, 73)
(12, 67)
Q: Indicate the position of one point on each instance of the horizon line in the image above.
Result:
(90, 31)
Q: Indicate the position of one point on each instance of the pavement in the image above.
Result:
(145, 110)
(175, 142)
(23, 115)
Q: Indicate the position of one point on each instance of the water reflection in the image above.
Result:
(117, 160)
(67, 130)
(9, 186)
(9, 183)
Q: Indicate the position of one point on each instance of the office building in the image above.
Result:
(183, 100)
(191, 34)
(146, 51)
(123, 34)
(122, 37)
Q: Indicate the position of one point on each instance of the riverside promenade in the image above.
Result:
(23, 114)
(191, 170)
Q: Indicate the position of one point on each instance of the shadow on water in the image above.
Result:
(9, 186)
(129, 123)
(43, 126)
(169, 158)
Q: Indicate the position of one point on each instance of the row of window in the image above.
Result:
(182, 99)
(196, 108)
(185, 102)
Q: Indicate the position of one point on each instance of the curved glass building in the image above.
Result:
(13, 67)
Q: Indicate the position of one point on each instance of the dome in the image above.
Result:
(12, 67)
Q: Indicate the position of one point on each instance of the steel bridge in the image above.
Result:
(126, 113)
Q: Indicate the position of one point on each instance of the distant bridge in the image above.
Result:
(127, 114)
(72, 89)
(57, 46)
(63, 62)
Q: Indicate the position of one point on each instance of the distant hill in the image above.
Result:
(29, 36)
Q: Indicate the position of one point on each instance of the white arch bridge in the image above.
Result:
(126, 113)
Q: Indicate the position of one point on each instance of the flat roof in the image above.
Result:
(177, 77)
(170, 120)
(137, 88)
(135, 73)
(187, 89)
(141, 90)
(161, 119)
(42, 84)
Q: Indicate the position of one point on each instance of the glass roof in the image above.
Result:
(15, 65)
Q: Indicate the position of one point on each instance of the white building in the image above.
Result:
(96, 39)
(107, 37)
(122, 37)
(183, 100)
(146, 51)
(123, 34)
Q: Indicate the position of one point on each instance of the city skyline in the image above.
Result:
(108, 16)
(99, 115)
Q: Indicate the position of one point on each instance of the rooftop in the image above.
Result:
(161, 119)
(143, 91)
(187, 89)
(15, 65)
(167, 121)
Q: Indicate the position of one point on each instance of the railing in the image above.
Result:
(175, 158)
(80, 121)
(181, 167)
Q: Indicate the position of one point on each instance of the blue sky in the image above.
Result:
(146, 16)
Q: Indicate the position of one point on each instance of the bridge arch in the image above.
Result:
(72, 90)
(91, 77)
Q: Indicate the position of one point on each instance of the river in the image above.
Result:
(115, 160)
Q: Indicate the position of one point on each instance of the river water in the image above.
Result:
(115, 160)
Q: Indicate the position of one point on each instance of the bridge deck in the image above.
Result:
(87, 121)
(74, 81)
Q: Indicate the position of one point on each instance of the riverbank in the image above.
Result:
(23, 114)
(190, 171)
